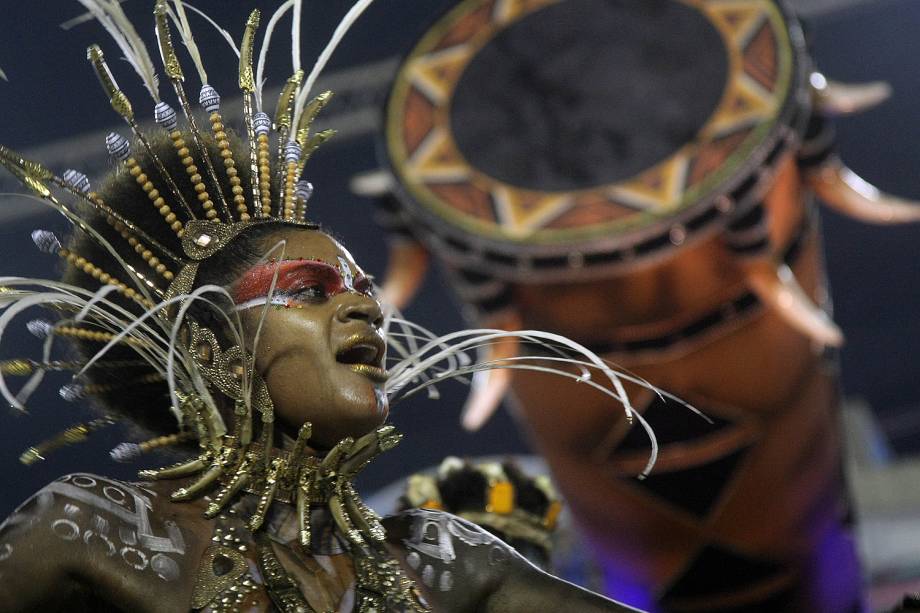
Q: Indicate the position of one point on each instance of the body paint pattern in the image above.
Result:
(441, 547)
(106, 516)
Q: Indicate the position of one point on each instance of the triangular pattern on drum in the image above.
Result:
(712, 155)
(466, 198)
(437, 73)
(658, 189)
(510, 10)
(737, 19)
(419, 120)
(745, 104)
(521, 215)
(695, 489)
(760, 57)
(590, 210)
(468, 26)
(436, 159)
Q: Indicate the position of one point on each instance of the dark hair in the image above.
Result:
(132, 394)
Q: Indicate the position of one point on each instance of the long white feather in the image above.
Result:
(226, 35)
(178, 16)
(337, 36)
(116, 23)
(263, 51)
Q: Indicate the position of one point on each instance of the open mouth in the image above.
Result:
(364, 354)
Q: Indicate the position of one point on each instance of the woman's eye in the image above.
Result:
(312, 293)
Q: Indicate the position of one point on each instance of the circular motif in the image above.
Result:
(525, 130)
(165, 567)
(134, 557)
(89, 536)
(66, 529)
(115, 495)
(446, 582)
(83, 481)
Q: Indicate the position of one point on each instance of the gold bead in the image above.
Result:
(170, 218)
(164, 210)
(147, 186)
(210, 214)
(140, 178)
(177, 227)
(237, 190)
(154, 194)
(200, 187)
(168, 275)
(203, 196)
(146, 254)
(196, 178)
(104, 278)
(232, 172)
(159, 202)
(152, 262)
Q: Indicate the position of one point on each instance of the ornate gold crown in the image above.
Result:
(485, 493)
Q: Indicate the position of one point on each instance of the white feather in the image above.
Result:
(263, 51)
(337, 36)
(116, 23)
(220, 30)
(179, 18)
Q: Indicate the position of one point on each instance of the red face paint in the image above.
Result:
(294, 276)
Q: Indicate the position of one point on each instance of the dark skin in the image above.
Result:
(89, 543)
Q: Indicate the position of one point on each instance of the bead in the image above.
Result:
(209, 99)
(303, 190)
(154, 194)
(46, 241)
(165, 116)
(292, 152)
(262, 123)
(76, 180)
(117, 146)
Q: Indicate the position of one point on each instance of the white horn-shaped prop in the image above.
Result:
(777, 287)
(406, 268)
(846, 192)
(372, 184)
(834, 98)
(489, 387)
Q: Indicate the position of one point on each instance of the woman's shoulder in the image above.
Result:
(132, 521)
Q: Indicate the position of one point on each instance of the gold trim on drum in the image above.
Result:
(444, 184)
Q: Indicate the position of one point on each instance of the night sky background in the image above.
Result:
(52, 94)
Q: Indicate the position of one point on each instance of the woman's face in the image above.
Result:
(320, 351)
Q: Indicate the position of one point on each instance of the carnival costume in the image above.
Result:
(172, 216)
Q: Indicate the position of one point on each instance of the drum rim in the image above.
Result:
(505, 258)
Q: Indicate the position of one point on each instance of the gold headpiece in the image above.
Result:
(264, 187)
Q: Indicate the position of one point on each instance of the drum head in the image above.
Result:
(545, 133)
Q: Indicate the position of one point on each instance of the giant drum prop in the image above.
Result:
(635, 174)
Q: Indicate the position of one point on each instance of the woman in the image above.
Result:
(203, 308)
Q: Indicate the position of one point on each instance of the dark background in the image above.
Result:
(52, 94)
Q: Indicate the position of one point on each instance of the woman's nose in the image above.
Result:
(362, 308)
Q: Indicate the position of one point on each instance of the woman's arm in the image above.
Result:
(462, 568)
